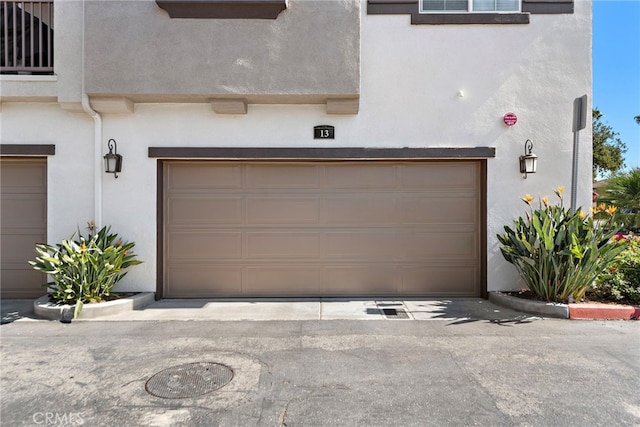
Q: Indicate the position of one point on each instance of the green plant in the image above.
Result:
(623, 191)
(559, 253)
(620, 282)
(85, 270)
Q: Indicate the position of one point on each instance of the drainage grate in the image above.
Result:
(190, 380)
(394, 313)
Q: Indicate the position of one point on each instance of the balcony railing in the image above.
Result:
(26, 37)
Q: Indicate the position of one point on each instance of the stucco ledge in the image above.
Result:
(343, 105)
(112, 104)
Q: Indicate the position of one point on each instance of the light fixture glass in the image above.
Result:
(113, 160)
(528, 162)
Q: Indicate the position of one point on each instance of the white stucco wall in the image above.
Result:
(69, 171)
(310, 50)
(410, 80)
(535, 71)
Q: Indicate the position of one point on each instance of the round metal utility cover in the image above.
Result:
(190, 380)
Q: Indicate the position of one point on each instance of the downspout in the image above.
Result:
(97, 153)
(97, 139)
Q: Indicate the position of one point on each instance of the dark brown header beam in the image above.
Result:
(223, 9)
(27, 149)
(348, 153)
(469, 18)
(547, 6)
(411, 7)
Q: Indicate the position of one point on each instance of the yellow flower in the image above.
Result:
(611, 210)
(560, 189)
(582, 215)
(118, 243)
(594, 211)
(527, 199)
(83, 247)
(545, 200)
(602, 207)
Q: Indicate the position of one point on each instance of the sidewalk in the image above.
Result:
(297, 309)
(320, 309)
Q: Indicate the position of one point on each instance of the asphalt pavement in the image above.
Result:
(451, 370)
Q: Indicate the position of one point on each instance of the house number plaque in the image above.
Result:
(323, 132)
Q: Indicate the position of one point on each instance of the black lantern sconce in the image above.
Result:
(113, 160)
(528, 162)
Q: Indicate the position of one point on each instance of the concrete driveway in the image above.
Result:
(446, 371)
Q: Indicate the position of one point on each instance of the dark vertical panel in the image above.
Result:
(483, 230)
(159, 230)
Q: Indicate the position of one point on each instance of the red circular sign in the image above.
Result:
(510, 119)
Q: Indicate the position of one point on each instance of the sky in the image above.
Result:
(616, 70)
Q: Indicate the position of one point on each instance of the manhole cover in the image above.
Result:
(190, 380)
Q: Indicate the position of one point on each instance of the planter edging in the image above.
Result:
(541, 308)
(579, 311)
(44, 308)
(603, 312)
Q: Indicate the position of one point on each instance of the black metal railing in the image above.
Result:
(26, 37)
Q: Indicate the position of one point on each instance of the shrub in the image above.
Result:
(85, 270)
(620, 282)
(559, 253)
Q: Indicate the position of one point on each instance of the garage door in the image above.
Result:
(240, 229)
(23, 223)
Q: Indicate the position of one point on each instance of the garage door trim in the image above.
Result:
(27, 149)
(302, 154)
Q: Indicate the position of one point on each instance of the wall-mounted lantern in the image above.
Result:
(528, 162)
(113, 160)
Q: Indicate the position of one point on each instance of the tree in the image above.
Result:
(608, 149)
(637, 119)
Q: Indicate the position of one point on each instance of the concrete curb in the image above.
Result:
(547, 309)
(42, 307)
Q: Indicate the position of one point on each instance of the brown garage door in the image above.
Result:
(23, 223)
(321, 229)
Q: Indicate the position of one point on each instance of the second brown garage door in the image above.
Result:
(259, 229)
(23, 224)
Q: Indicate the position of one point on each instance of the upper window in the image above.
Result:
(463, 6)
